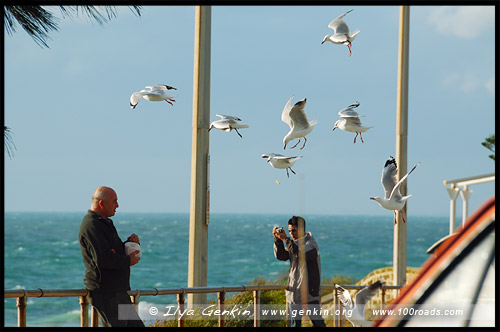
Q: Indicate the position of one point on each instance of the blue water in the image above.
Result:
(42, 251)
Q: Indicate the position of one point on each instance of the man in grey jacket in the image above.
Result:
(303, 288)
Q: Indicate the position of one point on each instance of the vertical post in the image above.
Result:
(84, 311)
(221, 299)
(21, 309)
(453, 193)
(198, 218)
(465, 193)
(135, 300)
(180, 305)
(256, 308)
(94, 317)
(399, 249)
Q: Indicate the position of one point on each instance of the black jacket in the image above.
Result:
(107, 267)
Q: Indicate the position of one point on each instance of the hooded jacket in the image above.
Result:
(107, 267)
(295, 278)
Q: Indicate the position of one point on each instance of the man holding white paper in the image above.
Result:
(107, 261)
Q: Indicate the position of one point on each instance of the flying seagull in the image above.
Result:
(350, 121)
(357, 318)
(393, 199)
(227, 123)
(157, 92)
(296, 118)
(341, 34)
(280, 161)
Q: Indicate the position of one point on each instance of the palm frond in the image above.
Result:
(35, 20)
(9, 143)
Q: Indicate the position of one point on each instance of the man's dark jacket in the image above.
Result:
(107, 267)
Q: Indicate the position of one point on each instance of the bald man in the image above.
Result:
(107, 267)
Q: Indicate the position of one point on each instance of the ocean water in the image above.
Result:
(41, 250)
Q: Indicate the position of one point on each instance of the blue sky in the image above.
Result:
(74, 130)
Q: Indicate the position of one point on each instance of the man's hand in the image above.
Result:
(280, 236)
(133, 238)
(133, 258)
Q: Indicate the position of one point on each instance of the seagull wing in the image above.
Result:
(348, 113)
(353, 121)
(228, 117)
(298, 114)
(338, 24)
(395, 190)
(344, 296)
(285, 115)
(389, 176)
(161, 87)
(135, 98)
(364, 295)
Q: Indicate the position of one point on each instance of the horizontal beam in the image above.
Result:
(471, 180)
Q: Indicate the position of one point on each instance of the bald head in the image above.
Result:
(104, 201)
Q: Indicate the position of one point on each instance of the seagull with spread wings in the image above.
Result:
(295, 117)
(357, 307)
(392, 199)
(342, 34)
(157, 92)
(280, 161)
(351, 122)
(227, 123)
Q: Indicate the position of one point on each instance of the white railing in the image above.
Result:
(461, 186)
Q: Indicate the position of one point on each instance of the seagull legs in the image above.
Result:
(305, 140)
(361, 136)
(238, 132)
(170, 102)
(349, 47)
(296, 144)
(402, 217)
(355, 137)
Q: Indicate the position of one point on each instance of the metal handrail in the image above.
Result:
(453, 192)
(22, 296)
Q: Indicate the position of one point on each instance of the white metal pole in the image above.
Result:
(465, 193)
(198, 215)
(453, 193)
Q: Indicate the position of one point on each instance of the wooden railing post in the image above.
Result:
(256, 308)
(135, 300)
(180, 305)
(21, 309)
(84, 311)
(221, 297)
(94, 317)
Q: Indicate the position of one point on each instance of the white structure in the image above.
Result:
(464, 191)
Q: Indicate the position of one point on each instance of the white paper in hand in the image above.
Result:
(131, 247)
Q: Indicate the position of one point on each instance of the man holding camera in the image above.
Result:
(303, 281)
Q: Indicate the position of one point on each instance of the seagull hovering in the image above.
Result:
(393, 199)
(357, 318)
(227, 123)
(351, 121)
(280, 161)
(153, 93)
(296, 118)
(341, 34)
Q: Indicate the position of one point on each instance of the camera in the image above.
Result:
(280, 230)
